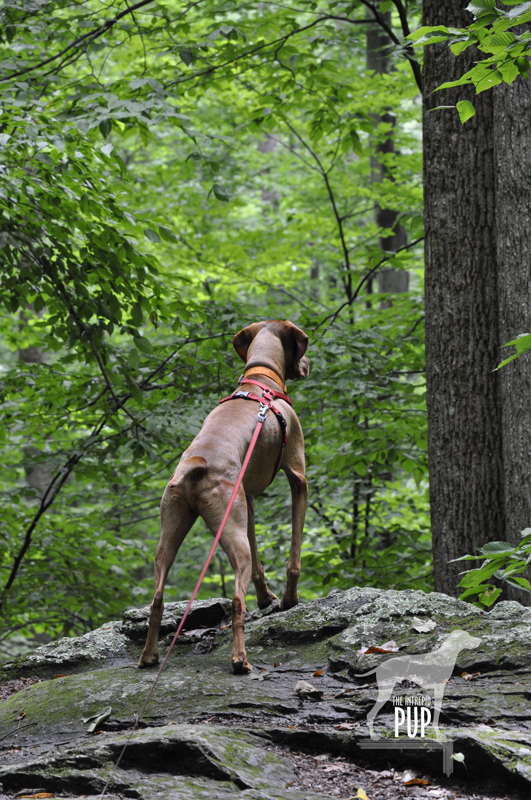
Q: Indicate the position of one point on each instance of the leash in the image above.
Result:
(268, 395)
(264, 408)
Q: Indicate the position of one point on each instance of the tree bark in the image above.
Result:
(512, 139)
(461, 292)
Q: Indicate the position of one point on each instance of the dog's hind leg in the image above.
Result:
(299, 497)
(264, 596)
(235, 543)
(176, 520)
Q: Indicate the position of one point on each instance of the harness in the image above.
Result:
(268, 395)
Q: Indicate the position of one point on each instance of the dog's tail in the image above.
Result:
(193, 468)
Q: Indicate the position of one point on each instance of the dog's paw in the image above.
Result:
(148, 661)
(241, 666)
(266, 600)
(289, 602)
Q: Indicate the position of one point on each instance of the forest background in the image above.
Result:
(171, 173)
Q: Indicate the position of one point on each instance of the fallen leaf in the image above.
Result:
(361, 794)
(276, 665)
(469, 676)
(388, 647)
(34, 796)
(259, 676)
(336, 768)
(416, 782)
(97, 719)
(20, 716)
(423, 626)
(346, 726)
(408, 775)
(318, 673)
(67, 675)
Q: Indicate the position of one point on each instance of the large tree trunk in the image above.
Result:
(462, 336)
(512, 138)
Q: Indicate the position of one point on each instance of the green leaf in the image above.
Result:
(489, 597)
(509, 71)
(465, 109)
(105, 127)
(522, 344)
(167, 234)
(497, 547)
(220, 193)
(143, 344)
(152, 235)
(97, 719)
(479, 7)
(521, 583)
(492, 79)
(519, 9)
(136, 314)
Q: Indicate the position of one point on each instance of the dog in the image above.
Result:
(431, 671)
(273, 351)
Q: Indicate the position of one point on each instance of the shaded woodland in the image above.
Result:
(170, 173)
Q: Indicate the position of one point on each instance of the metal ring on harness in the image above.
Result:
(265, 404)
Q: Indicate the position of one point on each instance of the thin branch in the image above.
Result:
(365, 278)
(86, 330)
(280, 41)
(85, 38)
(324, 173)
(380, 19)
(141, 37)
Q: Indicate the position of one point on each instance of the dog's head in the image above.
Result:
(259, 343)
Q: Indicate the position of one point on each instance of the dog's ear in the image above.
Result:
(300, 368)
(243, 339)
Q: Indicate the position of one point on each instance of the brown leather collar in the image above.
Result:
(268, 373)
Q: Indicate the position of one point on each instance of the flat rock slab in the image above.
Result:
(202, 714)
(172, 761)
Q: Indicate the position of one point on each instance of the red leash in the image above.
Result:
(261, 419)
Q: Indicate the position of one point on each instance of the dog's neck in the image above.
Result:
(264, 372)
(266, 350)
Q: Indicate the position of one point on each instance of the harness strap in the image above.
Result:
(280, 395)
(265, 400)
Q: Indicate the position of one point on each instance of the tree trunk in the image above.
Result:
(461, 290)
(512, 139)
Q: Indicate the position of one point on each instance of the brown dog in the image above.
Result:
(207, 472)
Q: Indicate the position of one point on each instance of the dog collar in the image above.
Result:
(268, 373)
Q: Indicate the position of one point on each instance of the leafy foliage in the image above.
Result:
(168, 175)
(497, 32)
(503, 561)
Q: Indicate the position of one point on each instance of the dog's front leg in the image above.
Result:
(299, 498)
(264, 595)
(239, 553)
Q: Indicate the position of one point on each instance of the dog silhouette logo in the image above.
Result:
(429, 671)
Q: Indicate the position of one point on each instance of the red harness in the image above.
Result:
(268, 395)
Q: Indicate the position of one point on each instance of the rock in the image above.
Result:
(306, 690)
(208, 730)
